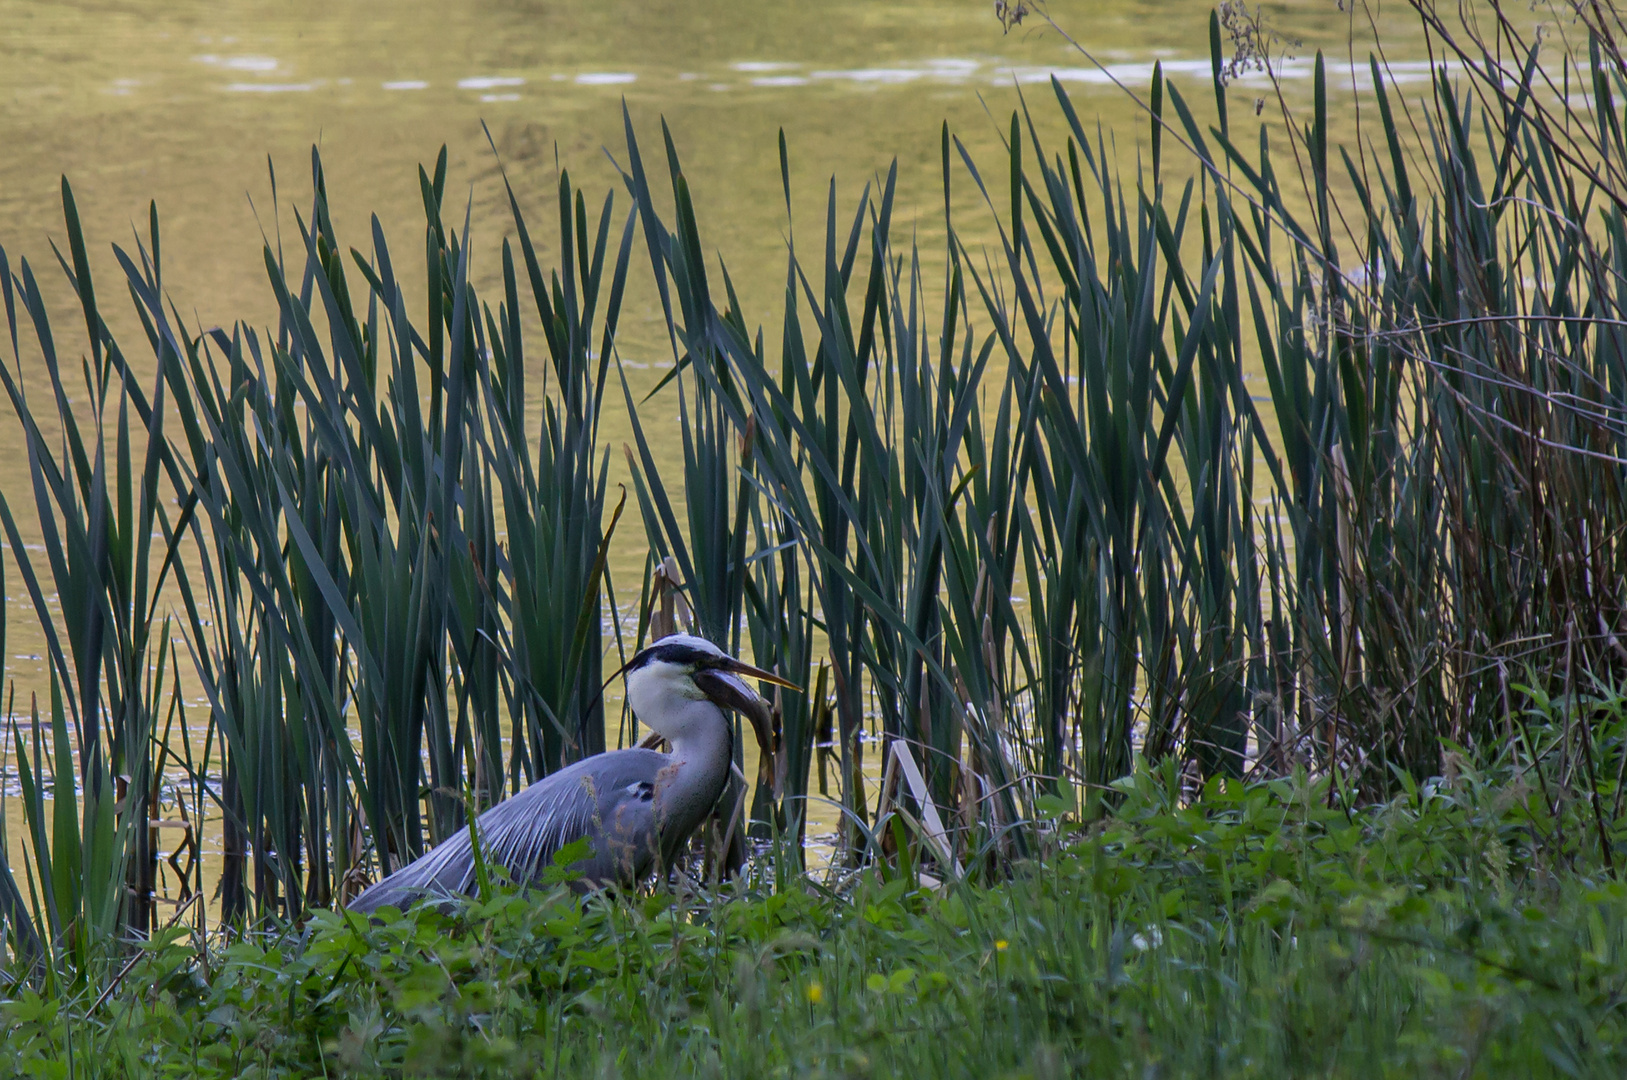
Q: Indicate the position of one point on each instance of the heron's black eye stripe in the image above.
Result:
(673, 653)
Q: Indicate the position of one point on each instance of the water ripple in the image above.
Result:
(261, 64)
(489, 82)
(268, 88)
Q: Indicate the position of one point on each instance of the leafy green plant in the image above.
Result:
(1253, 931)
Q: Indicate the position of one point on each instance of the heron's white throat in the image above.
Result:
(665, 698)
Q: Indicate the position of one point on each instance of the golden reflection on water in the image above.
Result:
(185, 102)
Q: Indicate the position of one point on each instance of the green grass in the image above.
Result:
(1256, 933)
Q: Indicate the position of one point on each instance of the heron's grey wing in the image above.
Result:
(608, 798)
(439, 872)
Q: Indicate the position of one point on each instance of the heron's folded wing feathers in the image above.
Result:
(524, 833)
(607, 798)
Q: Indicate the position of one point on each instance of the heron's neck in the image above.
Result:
(702, 746)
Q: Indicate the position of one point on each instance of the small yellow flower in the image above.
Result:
(1001, 945)
(816, 993)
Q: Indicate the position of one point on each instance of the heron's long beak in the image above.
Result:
(737, 667)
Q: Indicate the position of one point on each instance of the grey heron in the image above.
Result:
(637, 807)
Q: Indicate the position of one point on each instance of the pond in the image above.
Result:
(184, 103)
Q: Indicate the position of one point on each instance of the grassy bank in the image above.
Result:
(1256, 934)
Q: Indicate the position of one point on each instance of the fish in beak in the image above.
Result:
(726, 685)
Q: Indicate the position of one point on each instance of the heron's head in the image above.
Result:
(680, 669)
